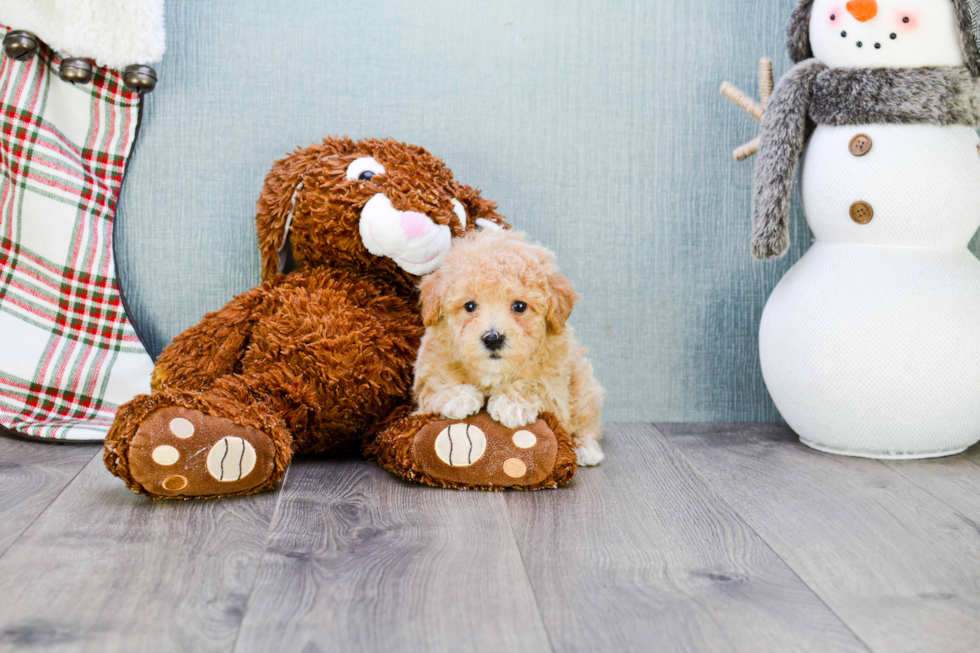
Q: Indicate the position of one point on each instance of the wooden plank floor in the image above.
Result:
(688, 538)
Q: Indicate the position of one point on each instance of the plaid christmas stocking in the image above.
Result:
(69, 355)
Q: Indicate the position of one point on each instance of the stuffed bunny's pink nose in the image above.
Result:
(415, 225)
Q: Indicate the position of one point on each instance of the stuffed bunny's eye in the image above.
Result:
(470, 307)
(364, 168)
(460, 212)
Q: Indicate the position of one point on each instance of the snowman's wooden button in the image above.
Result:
(861, 212)
(860, 145)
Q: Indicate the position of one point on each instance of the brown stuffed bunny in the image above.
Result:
(319, 359)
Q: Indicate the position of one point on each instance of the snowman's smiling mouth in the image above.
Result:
(893, 36)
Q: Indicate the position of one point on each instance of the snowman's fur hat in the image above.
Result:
(967, 11)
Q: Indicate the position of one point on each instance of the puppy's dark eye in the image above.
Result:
(519, 307)
(366, 175)
(470, 307)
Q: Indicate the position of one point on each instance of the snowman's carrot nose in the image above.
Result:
(863, 10)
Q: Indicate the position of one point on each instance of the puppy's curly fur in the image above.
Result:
(495, 316)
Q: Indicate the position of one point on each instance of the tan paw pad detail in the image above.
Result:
(525, 440)
(175, 483)
(460, 445)
(182, 428)
(515, 467)
(231, 459)
(166, 455)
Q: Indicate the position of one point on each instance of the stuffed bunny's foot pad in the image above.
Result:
(182, 453)
(480, 452)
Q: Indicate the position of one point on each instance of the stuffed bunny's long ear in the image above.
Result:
(479, 212)
(277, 202)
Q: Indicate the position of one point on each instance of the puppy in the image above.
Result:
(495, 315)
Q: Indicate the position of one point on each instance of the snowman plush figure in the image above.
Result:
(870, 344)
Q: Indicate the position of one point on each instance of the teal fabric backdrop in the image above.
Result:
(596, 124)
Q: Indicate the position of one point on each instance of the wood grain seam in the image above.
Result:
(261, 558)
(722, 630)
(527, 576)
(955, 510)
(762, 539)
(95, 454)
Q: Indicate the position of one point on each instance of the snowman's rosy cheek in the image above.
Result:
(906, 21)
(835, 15)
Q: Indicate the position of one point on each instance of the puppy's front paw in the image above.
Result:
(510, 412)
(461, 402)
(589, 454)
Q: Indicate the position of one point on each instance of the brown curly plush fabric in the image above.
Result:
(117, 444)
(320, 358)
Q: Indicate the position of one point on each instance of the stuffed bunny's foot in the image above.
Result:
(178, 452)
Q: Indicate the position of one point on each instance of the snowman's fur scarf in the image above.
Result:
(860, 96)
(798, 34)
(810, 93)
(784, 132)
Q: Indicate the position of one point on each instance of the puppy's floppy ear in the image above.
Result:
(430, 296)
(561, 299)
(276, 203)
(477, 208)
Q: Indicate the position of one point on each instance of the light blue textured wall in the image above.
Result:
(596, 124)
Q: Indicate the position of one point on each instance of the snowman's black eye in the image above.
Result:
(519, 307)
(366, 175)
(905, 20)
(833, 17)
(470, 307)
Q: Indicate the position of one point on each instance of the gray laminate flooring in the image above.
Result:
(711, 537)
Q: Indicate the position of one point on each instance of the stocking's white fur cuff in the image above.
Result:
(115, 33)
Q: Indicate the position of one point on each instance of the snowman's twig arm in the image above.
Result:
(745, 151)
(750, 106)
(781, 143)
(742, 101)
(765, 81)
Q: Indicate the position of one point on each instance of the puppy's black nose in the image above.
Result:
(493, 340)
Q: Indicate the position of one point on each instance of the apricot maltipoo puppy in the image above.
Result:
(495, 315)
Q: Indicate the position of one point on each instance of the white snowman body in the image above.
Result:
(870, 345)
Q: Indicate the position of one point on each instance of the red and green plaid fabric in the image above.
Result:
(69, 356)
